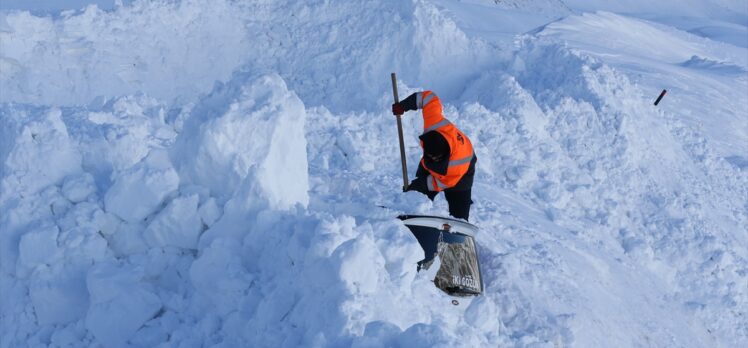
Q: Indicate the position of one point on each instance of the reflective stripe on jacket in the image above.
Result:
(461, 150)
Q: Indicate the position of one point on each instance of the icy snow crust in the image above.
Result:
(207, 173)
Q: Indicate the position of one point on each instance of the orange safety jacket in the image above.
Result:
(461, 149)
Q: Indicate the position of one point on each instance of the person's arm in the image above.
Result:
(431, 105)
(407, 104)
(419, 184)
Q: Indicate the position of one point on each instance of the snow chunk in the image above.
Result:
(42, 154)
(423, 335)
(247, 122)
(126, 130)
(361, 265)
(377, 334)
(58, 296)
(39, 247)
(138, 192)
(77, 188)
(209, 212)
(220, 276)
(177, 225)
(127, 239)
(120, 303)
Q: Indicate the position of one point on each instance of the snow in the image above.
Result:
(221, 173)
(42, 154)
(176, 225)
(76, 188)
(250, 124)
(139, 191)
(661, 57)
(115, 289)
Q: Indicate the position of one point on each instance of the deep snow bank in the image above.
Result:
(694, 70)
(74, 58)
(326, 52)
(85, 189)
(583, 142)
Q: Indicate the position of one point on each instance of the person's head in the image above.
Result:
(435, 147)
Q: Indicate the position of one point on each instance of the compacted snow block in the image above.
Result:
(121, 302)
(139, 191)
(451, 240)
(248, 122)
(176, 225)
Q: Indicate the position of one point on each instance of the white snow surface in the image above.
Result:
(225, 173)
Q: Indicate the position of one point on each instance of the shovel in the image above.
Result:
(400, 134)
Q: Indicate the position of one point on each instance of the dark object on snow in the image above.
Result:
(459, 274)
(660, 97)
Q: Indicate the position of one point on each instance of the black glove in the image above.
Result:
(404, 105)
(418, 184)
(397, 109)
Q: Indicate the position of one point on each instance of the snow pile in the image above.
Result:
(39, 152)
(232, 180)
(242, 125)
(664, 59)
(78, 57)
(54, 61)
(602, 167)
(142, 207)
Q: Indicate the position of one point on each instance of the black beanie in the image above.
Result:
(434, 144)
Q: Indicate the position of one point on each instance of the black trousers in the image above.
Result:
(459, 203)
(459, 200)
